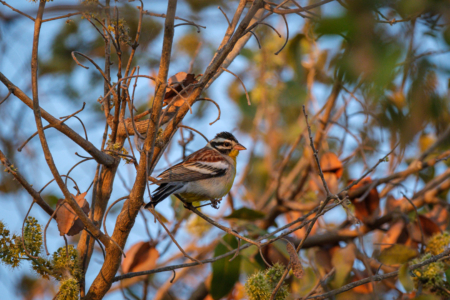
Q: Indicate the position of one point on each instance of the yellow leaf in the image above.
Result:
(397, 254)
(405, 278)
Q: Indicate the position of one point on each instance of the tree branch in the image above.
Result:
(100, 157)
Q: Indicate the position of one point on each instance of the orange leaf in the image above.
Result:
(330, 163)
(429, 228)
(367, 208)
(68, 222)
(140, 257)
(439, 215)
(362, 289)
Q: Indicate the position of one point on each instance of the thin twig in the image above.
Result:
(190, 128)
(226, 17)
(48, 223)
(287, 37)
(176, 18)
(65, 118)
(257, 39)
(62, 17)
(209, 220)
(243, 85)
(316, 156)
(109, 208)
(215, 103)
(17, 11)
(4, 99)
(155, 214)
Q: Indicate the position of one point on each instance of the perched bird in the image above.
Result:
(206, 174)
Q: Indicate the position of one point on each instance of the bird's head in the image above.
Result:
(227, 144)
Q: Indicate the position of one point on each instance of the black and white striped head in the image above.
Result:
(225, 142)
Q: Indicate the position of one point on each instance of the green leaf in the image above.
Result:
(405, 278)
(245, 213)
(225, 273)
(397, 254)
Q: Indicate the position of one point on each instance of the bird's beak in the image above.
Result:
(239, 147)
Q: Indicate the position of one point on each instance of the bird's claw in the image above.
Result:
(215, 203)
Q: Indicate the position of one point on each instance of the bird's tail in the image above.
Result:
(162, 192)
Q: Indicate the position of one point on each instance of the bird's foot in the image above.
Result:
(215, 203)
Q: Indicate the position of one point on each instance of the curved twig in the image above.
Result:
(152, 210)
(226, 17)
(4, 99)
(78, 163)
(48, 223)
(49, 126)
(257, 39)
(92, 62)
(176, 18)
(215, 103)
(273, 28)
(76, 185)
(263, 258)
(109, 208)
(287, 35)
(190, 128)
(243, 85)
(173, 278)
(191, 24)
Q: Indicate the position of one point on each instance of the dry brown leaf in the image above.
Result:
(140, 257)
(68, 222)
(367, 208)
(273, 255)
(429, 228)
(296, 264)
(439, 215)
(330, 163)
(322, 258)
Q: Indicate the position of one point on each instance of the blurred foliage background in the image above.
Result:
(371, 74)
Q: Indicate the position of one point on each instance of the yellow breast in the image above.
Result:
(233, 154)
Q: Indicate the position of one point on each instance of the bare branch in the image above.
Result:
(99, 156)
(16, 10)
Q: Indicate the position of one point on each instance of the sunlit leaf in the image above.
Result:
(397, 254)
(67, 220)
(343, 260)
(405, 278)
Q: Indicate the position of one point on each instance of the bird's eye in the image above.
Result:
(226, 144)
